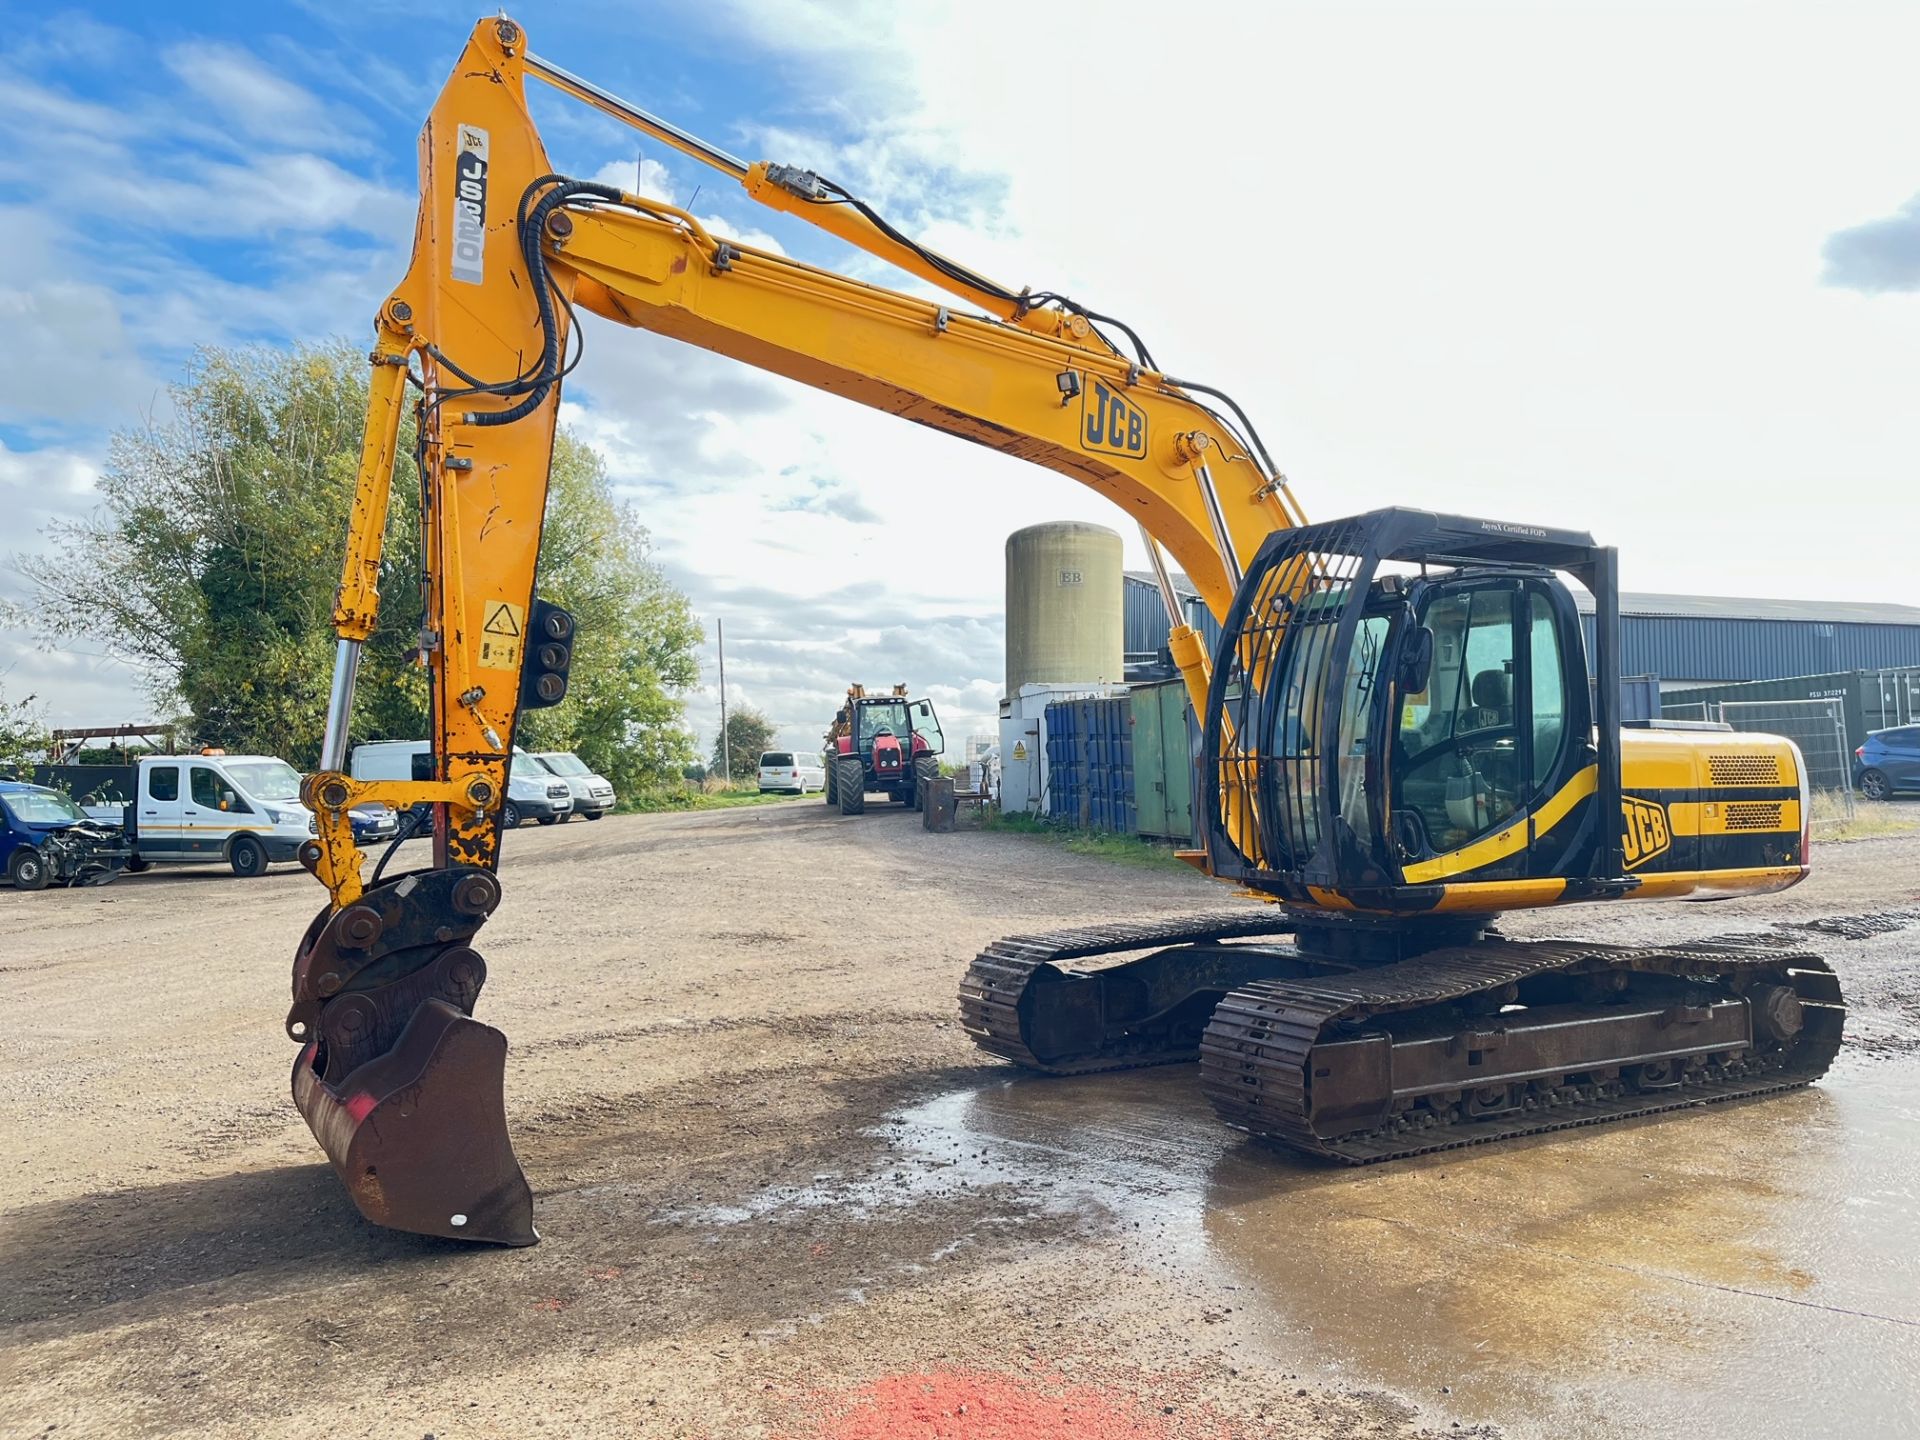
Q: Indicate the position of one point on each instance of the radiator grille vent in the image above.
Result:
(1754, 815)
(1744, 769)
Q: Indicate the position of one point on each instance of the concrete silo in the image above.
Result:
(1064, 606)
(1065, 635)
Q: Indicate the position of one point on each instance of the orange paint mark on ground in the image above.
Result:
(952, 1405)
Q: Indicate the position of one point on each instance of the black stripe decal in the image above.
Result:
(1718, 794)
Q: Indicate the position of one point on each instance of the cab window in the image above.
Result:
(928, 728)
(1549, 689)
(1455, 764)
(1490, 733)
(1297, 741)
(210, 790)
(163, 782)
(879, 719)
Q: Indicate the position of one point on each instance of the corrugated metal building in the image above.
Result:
(1686, 640)
(1144, 613)
(1695, 639)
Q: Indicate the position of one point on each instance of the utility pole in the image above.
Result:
(726, 760)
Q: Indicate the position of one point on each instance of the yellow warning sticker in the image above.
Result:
(500, 636)
(1019, 749)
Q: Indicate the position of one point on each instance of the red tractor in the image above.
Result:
(882, 743)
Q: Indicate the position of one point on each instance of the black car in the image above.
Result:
(1888, 763)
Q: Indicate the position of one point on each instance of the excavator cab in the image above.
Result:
(1401, 713)
(1402, 743)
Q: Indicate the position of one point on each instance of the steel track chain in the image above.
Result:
(1255, 1055)
(1000, 974)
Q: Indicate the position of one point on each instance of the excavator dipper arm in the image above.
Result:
(398, 1081)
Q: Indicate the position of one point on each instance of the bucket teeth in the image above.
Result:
(419, 1134)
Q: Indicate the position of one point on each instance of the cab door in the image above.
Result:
(926, 729)
(1562, 764)
(213, 810)
(159, 826)
(1481, 758)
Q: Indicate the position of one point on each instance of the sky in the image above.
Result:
(1651, 271)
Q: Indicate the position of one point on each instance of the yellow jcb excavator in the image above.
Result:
(1405, 733)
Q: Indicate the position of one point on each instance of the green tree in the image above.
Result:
(215, 553)
(748, 733)
(23, 732)
(637, 635)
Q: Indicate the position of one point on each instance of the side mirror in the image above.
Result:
(1416, 661)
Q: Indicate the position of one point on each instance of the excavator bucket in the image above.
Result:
(419, 1135)
(401, 1086)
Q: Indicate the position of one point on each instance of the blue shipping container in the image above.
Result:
(1090, 763)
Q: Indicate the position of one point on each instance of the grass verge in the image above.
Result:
(1869, 820)
(1100, 844)
(688, 796)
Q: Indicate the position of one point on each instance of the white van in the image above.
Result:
(791, 770)
(211, 808)
(532, 792)
(592, 794)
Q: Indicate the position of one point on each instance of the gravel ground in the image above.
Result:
(781, 1194)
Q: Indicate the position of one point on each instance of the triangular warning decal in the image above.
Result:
(502, 621)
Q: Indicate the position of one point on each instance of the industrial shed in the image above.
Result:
(1690, 640)
(1143, 616)
(1686, 640)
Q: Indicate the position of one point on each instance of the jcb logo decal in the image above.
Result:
(470, 205)
(1644, 830)
(1111, 422)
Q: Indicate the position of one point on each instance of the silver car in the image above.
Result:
(592, 794)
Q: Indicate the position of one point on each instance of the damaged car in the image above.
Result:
(45, 839)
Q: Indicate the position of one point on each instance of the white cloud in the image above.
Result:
(1879, 255)
(265, 105)
(66, 358)
(76, 684)
(641, 176)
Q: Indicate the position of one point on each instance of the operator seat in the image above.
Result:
(1493, 699)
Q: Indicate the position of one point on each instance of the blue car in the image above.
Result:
(46, 838)
(373, 823)
(1888, 763)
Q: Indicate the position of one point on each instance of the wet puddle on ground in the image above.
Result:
(1750, 1269)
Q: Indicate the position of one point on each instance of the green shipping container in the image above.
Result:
(1163, 760)
(1869, 699)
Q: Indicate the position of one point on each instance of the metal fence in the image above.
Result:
(1686, 710)
(1819, 728)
